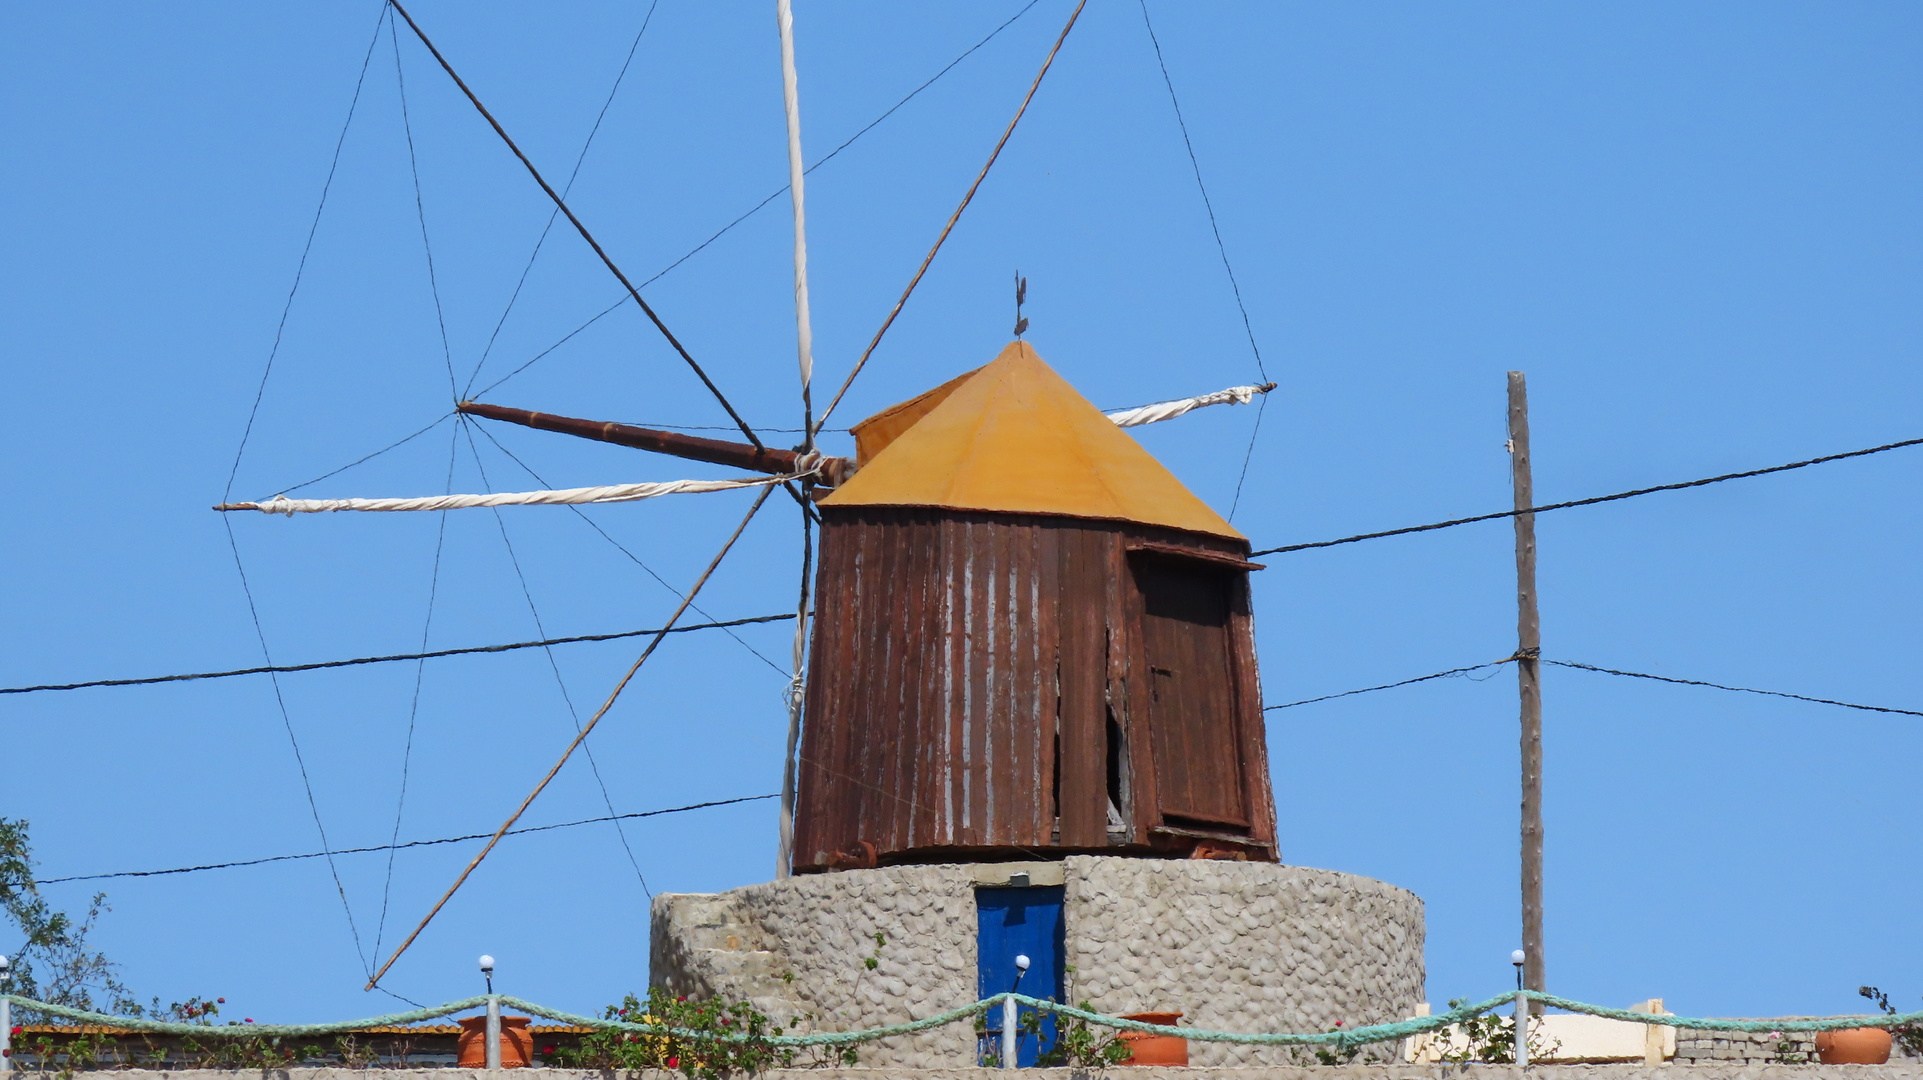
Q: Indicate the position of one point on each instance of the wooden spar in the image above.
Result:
(694, 447)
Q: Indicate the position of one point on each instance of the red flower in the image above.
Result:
(674, 1062)
(545, 1050)
(1338, 1023)
(683, 997)
(17, 1029)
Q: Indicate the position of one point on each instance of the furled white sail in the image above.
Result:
(606, 493)
(1169, 410)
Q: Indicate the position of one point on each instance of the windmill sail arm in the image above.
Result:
(693, 447)
(1169, 410)
(606, 493)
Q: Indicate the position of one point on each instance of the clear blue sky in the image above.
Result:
(1696, 228)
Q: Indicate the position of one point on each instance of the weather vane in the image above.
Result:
(1021, 296)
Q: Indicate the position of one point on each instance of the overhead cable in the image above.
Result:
(1590, 501)
(1735, 689)
(282, 668)
(1463, 671)
(398, 847)
(1451, 673)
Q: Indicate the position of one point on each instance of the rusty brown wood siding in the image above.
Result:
(953, 653)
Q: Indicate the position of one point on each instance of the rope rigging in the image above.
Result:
(260, 393)
(760, 498)
(553, 215)
(554, 665)
(771, 197)
(956, 216)
(1222, 248)
(562, 205)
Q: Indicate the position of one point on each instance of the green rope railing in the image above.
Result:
(1372, 1033)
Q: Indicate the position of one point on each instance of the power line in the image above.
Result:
(282, 668)
(1463, 671)
(397, 847)
(1591, 501)
(1735, 689)
(1451, 673)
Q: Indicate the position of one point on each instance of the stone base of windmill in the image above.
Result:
(1233, 946)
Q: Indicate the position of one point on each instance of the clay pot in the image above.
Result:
(1155, 1049)
(517, 1043)
(1853, 1046)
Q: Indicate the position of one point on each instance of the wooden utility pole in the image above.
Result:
(1529, 682)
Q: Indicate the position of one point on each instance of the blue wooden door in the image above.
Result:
(1021, 922)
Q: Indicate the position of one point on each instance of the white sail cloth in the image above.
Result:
(1169, 410)
(606, 493)
(611, 493)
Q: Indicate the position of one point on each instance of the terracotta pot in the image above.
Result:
(1853, 1046)
(1155, 1049)
(517, 1043)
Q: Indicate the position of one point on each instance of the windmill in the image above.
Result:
(1031, 638)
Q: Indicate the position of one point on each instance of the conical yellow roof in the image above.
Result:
(1017, 438)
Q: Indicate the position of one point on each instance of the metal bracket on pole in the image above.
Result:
(493, 1031)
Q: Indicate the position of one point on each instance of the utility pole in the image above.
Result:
(1529, 683)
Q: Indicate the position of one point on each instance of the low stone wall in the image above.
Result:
(1756, 1047)
(1234, 946)
(1907, 1071)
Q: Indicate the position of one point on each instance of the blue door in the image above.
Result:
(1021, 922)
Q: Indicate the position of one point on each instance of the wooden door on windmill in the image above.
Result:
(1192, 691)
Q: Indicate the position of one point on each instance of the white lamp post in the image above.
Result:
(493, 1015)
(1522, 1010)
(1008, 1015)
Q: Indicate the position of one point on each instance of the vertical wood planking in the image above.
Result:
(1084, 677)
(1250, 727)
(952, 649)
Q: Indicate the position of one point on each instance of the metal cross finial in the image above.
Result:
(1021, 297)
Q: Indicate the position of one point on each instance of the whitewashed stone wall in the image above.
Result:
(1234, 946)
(1719, 1071)
(1243, 947)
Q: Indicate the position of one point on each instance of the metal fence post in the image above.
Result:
(1522, 1028)
(493, 1031)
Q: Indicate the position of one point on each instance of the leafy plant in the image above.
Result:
(703, 1053)
(1907, 1036)
(1341, 1054)
(1077, 1042)
(1788, 1051)
(55, 962)
(1492, 1039)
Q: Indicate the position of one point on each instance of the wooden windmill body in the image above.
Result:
(1030, 640)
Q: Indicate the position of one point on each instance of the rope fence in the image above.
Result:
(1373, 1033)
